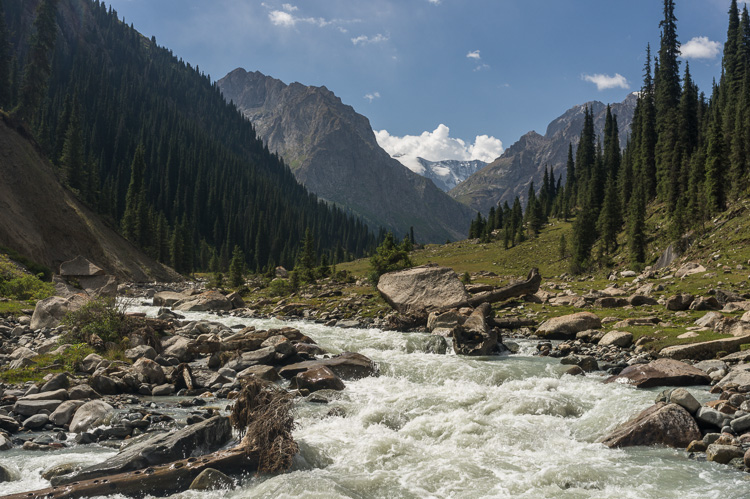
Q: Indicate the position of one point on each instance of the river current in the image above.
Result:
(439, 425)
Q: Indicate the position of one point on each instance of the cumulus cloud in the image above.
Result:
(434, 2)
(437, 145)
(289, 7)
(700, 47)
(606, 82)
(474, 55)
(364, 40)
(372, 96)
(286, 19)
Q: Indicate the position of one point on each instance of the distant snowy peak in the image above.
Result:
(448, 174)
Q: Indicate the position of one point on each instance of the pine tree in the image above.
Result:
(72, 157)
(237, 268)
(645, 162)
(131, 224)
(636, 226)
(307, 259)
(715, 167)
(38, 66)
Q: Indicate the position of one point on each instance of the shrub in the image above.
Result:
(387, 258)
(102, 317)
(280, 287)
(19, 285)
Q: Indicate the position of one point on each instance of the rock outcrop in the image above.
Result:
(423, 289)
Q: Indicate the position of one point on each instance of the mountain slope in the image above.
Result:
(332, 150)
(447, 174)
(509, 175)
(46, 223)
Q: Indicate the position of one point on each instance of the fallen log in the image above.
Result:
(511, 322)
(262, 413)
(527, 287)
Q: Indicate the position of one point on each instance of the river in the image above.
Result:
(435, 425)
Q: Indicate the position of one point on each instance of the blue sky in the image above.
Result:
(492, 69)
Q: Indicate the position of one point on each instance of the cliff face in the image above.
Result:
(43, 221)
(332, 150)
(509, 175)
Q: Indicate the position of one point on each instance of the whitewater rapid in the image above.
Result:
(439, 425)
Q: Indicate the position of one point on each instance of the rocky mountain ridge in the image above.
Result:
(447, 174)
(333, 151)
(509, 175)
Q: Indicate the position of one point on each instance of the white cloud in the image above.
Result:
(434, 2)
(474, 55)
(700, 47)
(281, 18)
(437, 145)
(289, 7)
(606, 82)
(372, 96)
(364, 40)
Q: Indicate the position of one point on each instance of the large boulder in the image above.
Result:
(423, 289)
(89, 415)
(99, 285)
(661, 372)
(347, 365)
(167, 298)
(194, 440)
(705, 350)
(31, 407)
(679, 302)
(211, 479)
(318, 378)
(666, 424)
(79, 267)
(567, 326)
(210, 300)
(50, 311)
(616, 338)
(689, 268)
(148, 371)
(738, 376)
(65, 411)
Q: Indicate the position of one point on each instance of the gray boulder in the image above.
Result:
(56, 382)
(193, 440)
(36, 421)
(211, 479)
(347, 365)
(31, 407)
(666, 424)
(473, 337)
(423, 289)
(210, 300)
(79, 267)
(705, 350)
(711, 417)
(679, 302)
(685, 399)
(100, 285)
(661, 372)
(617, 338)
(145, 351)
(89, 415)
(64, 412)
(148, 371)
(50, 311)
(722, 454)
(318, 378)
(568, 326)
(167, 298)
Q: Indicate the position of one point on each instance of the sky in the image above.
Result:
(442, 79)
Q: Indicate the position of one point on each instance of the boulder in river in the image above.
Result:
(210, 300)
(348, 365)
(661, 372)
(662, 423)
(422, 289)
(193, 440)
(89, 415)
(567, 326)
(473, 337)
(318, 378)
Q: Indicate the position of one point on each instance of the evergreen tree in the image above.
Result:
(388, 257)
(306, 260)
(237, 268)
(636, 226)
(38, 66)
(715, 166)
(72, 157)
(645, 162)
(132, 223)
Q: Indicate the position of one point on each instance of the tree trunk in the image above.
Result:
(527, 287)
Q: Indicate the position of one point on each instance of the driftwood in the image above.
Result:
(262, 413)
(527, 287)
(511, 322)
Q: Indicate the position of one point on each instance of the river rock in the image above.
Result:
(621, 339)
(89, 415)
(60, 469)
(9, 424)
(145, 351)
(738, 376)
(179, 348)
(167, 298)
(709, 320)
(661, 372)
(64, 412)
(722, 454)
(60, 394)
(444, 322)
(5, 474)
(104, 384)
(210, 300)
(704, 350)
(679, 302)
(263, 372)
(712, 417)
(211, 479)
(193, 440)
(90, 362)
(705, 303)
(662, 423)
(83, 392)
(567, 326)
(5, 443)
(30, 407)
(50, 311)
(685, 399)
(162, 390)
(347, 366)
(423, 289)
(35, 422)
(319, 378)
(148, 371)
(741, 425)
(56, 382)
